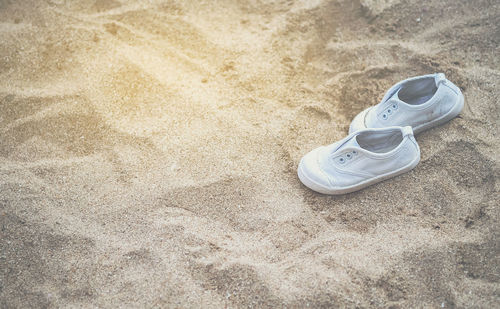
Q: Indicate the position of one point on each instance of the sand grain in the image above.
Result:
(148, 155)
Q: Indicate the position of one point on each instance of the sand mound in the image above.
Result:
(148, 155)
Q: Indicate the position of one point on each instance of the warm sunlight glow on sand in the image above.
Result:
(149, 153)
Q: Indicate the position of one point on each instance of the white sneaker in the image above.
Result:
(361, 159)
(421, 102)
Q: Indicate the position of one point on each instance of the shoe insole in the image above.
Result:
(418, 91)
(379, 142)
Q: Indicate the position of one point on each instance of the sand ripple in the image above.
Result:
(148, 154)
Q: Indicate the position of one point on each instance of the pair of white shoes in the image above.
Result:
(380, 143)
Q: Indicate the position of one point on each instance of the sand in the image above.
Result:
(148, 154)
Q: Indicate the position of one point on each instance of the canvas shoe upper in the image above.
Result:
(359, 160)
(421, 102)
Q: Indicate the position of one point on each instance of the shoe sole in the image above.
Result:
(318, 188)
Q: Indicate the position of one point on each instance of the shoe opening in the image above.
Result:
(418, 91)
(380, 141)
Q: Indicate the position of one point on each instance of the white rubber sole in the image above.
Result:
(337, 191)
(455, 110)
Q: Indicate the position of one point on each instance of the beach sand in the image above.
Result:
(148, 155)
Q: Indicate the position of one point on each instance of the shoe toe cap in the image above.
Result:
(311, 174)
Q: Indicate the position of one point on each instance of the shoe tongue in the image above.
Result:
(395, 96)
(351, 143)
